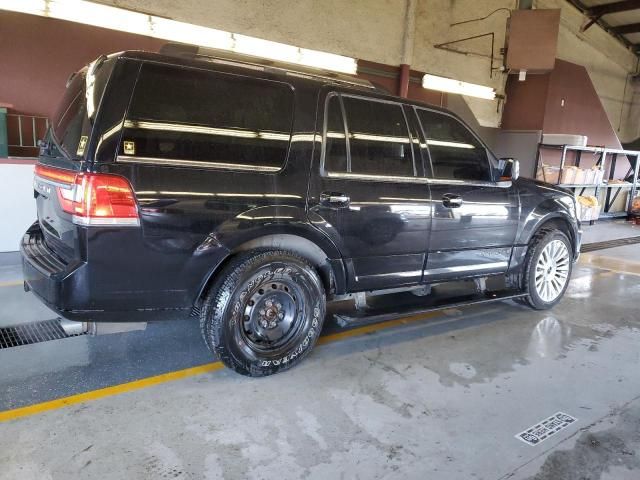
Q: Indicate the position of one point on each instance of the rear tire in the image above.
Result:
(265, 313)
(547, 269)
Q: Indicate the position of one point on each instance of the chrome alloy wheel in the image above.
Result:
(552, 270)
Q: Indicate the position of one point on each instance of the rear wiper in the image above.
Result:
(51, 141)
(45, 147)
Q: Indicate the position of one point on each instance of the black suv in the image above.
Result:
(252, 194)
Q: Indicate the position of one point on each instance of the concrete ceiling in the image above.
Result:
(621, 18)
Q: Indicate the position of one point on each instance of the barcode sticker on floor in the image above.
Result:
(547, 427)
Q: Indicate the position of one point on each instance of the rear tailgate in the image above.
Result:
(51, 187)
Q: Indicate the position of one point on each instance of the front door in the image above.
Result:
(368, 192)
(475, 217)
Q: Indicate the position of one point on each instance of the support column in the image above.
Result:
(403, 84)
(407, 47)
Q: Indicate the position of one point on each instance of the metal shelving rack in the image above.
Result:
(608, 157)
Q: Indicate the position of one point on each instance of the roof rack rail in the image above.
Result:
(249, 61)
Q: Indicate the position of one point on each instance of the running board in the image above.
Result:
(429, 305)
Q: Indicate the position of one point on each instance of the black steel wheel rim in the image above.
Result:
(272, 314)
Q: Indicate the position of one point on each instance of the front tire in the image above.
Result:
(547, 269)
(265, 312)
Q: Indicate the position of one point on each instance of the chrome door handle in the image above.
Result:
(334, 199)
(451, 201)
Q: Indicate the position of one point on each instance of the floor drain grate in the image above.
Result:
(620, 242)
(30, 333)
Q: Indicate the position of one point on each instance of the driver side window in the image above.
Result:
(456, 154)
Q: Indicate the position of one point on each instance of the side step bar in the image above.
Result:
(428, 305)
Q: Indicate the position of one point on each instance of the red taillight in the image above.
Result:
(94, 198)
(102, 199)
(56, 175)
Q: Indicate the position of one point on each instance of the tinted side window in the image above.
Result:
(188, 114)
(455, 152)
(378, 138)
(335, 157)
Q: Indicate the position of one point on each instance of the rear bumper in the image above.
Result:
(46, 274)
(64, 287)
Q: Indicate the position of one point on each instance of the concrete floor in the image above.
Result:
(438, 398)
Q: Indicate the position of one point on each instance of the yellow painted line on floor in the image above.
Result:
(185, 373)
(13, 283)
(618, 265)
(107, 392)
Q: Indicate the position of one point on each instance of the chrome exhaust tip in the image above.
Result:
(74, 328)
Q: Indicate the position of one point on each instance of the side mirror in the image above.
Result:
(510, 169)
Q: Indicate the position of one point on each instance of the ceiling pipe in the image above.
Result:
(407, 47)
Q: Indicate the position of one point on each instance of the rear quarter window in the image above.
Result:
(224, 120)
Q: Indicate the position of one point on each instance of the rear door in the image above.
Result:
(368, 191)
(475, 217)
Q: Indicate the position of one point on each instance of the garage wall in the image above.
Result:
(373, 30)
(340, 27)
(38, 54)
(433, 29)
(335, 26)
(17, 206)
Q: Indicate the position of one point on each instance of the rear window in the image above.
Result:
(196, 115)
(71, 124)
(70, 121)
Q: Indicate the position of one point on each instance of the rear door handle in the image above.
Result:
(451, 201)
(334, 199)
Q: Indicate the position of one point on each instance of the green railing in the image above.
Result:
(4, 140)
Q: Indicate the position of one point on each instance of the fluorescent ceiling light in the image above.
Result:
(265, 48)
(188, 33)
(114, 18)
(450, 85)
(331, 61)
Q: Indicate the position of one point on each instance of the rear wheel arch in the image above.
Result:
(328, 265)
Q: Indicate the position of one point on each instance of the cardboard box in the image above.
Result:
(568, 175)
(589, 176)
(548, 174)
(580, 177)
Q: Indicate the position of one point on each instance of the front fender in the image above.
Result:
(560, 208)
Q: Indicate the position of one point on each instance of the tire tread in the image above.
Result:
(211, 322)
